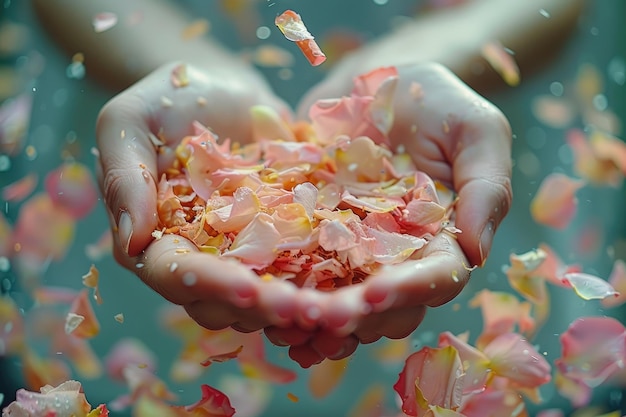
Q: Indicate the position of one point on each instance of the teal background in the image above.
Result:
(65, 109)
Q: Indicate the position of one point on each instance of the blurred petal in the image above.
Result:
(12, 325)
(19, 190)
(617, 279)
(495, 403)
(72, 187)
(554, 205)
(325, 376)
(475, 363)
(593, 348)
(575, 390)
(502, 61)
(90, 280)
(89, 326)
(64, 400)
(128, 352)
(213, 402)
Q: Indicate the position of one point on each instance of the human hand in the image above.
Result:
(460, 139)
(137, 132)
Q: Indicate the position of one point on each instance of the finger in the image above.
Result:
(174, 268)
(213, 315)
(434, 279)
(277, 300)
(128, 160)
(482, 178)
(344, 309)
(333, 347)
(394, 324)
(305, 355)
(289, 336)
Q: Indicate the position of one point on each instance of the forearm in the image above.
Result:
(120, 56)
(533, 29)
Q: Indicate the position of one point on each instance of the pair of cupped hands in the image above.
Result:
(461, 139)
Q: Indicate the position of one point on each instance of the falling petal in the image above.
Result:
(71, 186)
(555, 203)
(589, 287)
(292, 27)
(501, 61)
(222, 357)
(430, 377)
(90, 280)
(195, 29)
(370, 403)
(593, 349)
(89, 327)
(20, 189)
(104, 21)
(326, 376)
(128, 352)
(554, 112)
(617, 279)
(14, 122)
(213, 402)
(72, 321)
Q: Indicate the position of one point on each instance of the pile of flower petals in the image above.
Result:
(323, 204)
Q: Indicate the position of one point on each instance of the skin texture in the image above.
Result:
(462, 140)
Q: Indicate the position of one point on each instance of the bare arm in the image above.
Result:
(533, 29)
(130, 50)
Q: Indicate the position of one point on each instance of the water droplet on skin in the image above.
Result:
(145, 175)
(139, 265)
(173, 267)
(544, 13)
(189, 279)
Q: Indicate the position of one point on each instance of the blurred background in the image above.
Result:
(48, 110)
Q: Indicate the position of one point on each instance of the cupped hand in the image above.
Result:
(460, 139)
(137, 132)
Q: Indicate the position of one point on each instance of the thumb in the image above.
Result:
(482, 178)
(129, 167)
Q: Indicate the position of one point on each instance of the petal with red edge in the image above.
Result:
(589, 287)
(617, 279)
(431, 377)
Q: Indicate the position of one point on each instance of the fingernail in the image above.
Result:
(244, 296)
(486, 238)
(125, 230)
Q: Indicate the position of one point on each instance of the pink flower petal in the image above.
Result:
(20, 189)
(575, 390)
(89, 326)
(617, 279)
(336, 236)
(325, 377)
(502, 313)
(235, 217)
(64, 400)
(475, 362)
(43, 230)
(268, 125)
(512, 357)
(256, 243)
(12, 334)
(554, 112)
(128, 352)
(213, 402)
(14, 121)
(368, 84)
(72, 187)
(502, 61)
(554, 205)
(600, 159)
(104, 21)
(589, 287)
(430, 377)
(593, 348)
(494, 403)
